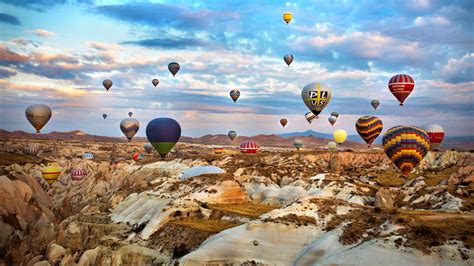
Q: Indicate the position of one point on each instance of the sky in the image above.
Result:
(59, 52)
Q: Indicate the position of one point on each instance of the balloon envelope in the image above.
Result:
(130, 114)
(287, 16)
(335, 114)
(401, 86)
(38, 115)
(249, 147)
(283, 122)
(129, 127)
(375, 103)
(148, 147)
(77, 174)
(163, 133)
(232, 134)
(332, 145)
(104, 116)
(369, 128)
(234, 94)
(406, 146)
(288, 58)
(332, 120)
(155, 82)
(298, 144)
(51, 173)
(173, 67)
(32, 149)
(340, 136)
(310, 117)
(107, 84)
(436, 134)
(316, 96)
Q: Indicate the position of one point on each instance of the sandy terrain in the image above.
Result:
(279, 207)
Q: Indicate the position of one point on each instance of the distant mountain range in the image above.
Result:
(311, 139)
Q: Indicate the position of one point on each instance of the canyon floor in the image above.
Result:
(278, 207)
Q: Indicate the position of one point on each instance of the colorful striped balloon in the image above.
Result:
(51, 173)
(219, 150)
(401, 86)
(77, 174)
(88, 156)
(32, 149)
(369, 128)
(406, 146)
(249, 147)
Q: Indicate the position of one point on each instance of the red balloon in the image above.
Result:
(401, 86)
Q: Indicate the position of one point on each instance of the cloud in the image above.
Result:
(5, 73)
(103, 46)
(43, 5)
(171, 43)
(459, 70)
(157, 14)
(9, 19)
(8, 57)
(43, 33)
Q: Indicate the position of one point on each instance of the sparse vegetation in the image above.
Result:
(249, 209)
(210, 226)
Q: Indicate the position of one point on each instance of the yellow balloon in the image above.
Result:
(340, 136)
(287, 16)
(51, 173)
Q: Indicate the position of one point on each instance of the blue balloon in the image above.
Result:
(163, 133)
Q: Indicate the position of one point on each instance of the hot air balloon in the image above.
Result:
(155, 82)
(298, 144)
(401, 86)
(310, 117)
(32, 149)
(104, 116)
(287, 16)
(218, 150)
(173, 67)
(137, 156)
(88, 156)
(234, 94)
(316, 96)
(406, 146)
(51, 173)
(232, 134)
(436, 134)
(38, 115)
(163, 133)
(375, 103)
(369, 128)
(129, 127)
(332, 145)
(148, 147)
(107, 84)
(288, 59)
(335, 114)
(249, 147)
(283, 122)
(332, 120)
(340, 136)
(77, 174)
(130, 114)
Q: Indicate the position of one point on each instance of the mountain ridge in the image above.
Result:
(311, 139)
